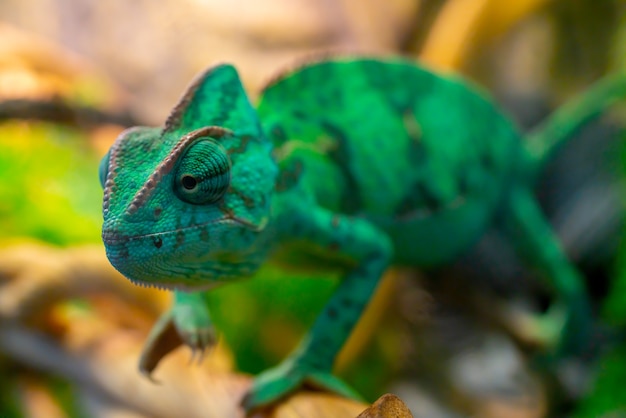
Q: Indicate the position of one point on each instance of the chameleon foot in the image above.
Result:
(188, 324)
(577, 333)
(540, 331)
(559, 332)
(286, 378)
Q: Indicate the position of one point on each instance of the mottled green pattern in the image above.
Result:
(47, 183)
(362, 163)
(417, 154)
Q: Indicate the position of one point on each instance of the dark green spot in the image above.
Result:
(352, 201)
(180, 238)
(289, 176)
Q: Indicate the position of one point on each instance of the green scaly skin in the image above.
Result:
(365, 163)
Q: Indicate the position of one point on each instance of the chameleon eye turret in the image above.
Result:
(186, 205)
(203, 174)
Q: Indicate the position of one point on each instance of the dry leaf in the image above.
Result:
(387, 406)
(307, 404)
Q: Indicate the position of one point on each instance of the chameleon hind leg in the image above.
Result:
(187, 322)
(369, 253)
(567, 325)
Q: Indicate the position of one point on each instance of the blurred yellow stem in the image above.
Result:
(462, 24)
(370, 319)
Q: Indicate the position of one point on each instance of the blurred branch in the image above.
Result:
(59, 111)
(415, 39)
(35, 277)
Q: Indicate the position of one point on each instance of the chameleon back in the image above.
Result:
(421, 155)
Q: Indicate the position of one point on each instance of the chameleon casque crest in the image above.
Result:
(367, 163)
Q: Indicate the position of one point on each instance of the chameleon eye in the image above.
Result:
(203, 174)
(189, 182)
(103, 170)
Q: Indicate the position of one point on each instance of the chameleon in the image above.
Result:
(356, 163)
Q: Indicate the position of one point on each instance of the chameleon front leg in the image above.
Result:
(568, 324)
(369, 251)
(187, 322)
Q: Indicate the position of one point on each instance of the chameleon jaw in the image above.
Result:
(158, 276)
(160, 285)
(185, 266)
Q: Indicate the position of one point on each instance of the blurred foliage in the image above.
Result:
(288, 304)
(9, 404)
(606, 397)
(49, 188)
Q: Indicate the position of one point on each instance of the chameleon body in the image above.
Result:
(359, 162)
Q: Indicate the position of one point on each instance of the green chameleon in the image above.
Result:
(357, 163)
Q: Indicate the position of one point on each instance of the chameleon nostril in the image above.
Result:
(112, 237)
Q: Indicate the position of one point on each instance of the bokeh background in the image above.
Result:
(74, 73)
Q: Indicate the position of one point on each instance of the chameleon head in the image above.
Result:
(186, 206)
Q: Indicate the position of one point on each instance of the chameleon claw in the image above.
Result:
(148, 375)
(163, 339)
(197, 355)
(201, 356)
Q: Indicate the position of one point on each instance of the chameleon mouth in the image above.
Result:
(180, 268)
(163, 273)
(167, 260)
(169, 286)
(113, 238)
